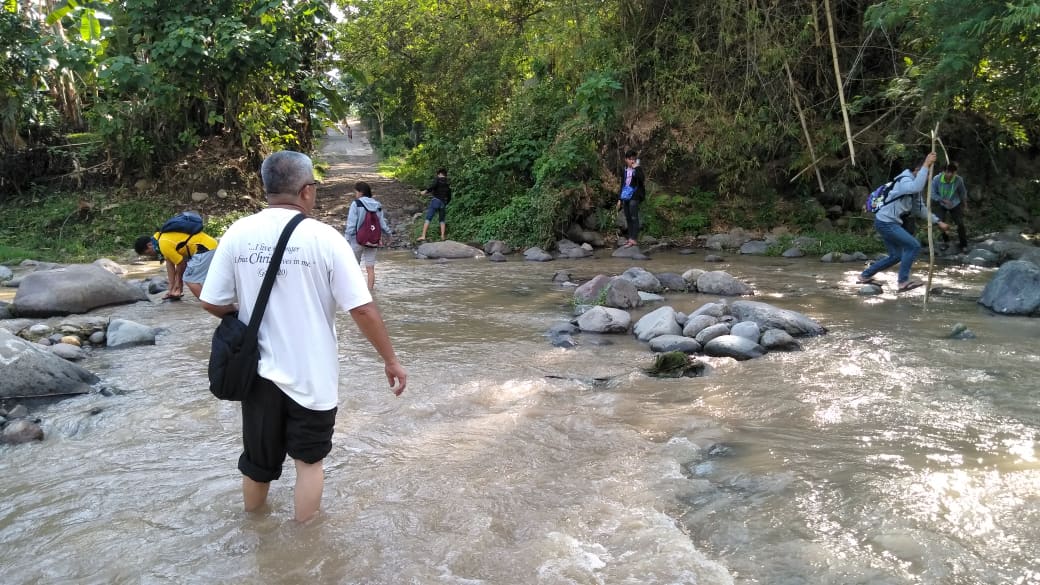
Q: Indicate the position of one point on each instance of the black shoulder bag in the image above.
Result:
(235, 352)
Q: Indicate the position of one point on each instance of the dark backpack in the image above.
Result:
(878, 198)
(185, 222)
(369, 230)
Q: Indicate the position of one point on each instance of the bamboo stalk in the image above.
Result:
(837, 78)
(805, 126)
(928, 208)
(865, 128)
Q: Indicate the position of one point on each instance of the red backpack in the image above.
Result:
(369, 231)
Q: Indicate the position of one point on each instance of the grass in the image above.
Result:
(838, 242)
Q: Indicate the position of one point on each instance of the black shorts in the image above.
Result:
(274, 425)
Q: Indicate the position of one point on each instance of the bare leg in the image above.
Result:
(444, 228)
(310, 482)
(371, 277)
(425, 226)
(254, 493)
(195, 288)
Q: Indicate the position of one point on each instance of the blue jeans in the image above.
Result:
(902, 250)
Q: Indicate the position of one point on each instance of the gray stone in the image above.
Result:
(716, 310)
(124, 333)
(666, 343)
(698, 323)
(657, 323)
(869, 290)
(748, 329)
(562, 276)
(769, 317)
(779, 340)
(734, 346)
(19, 411)
(72, 289)
(722, 283)
(111, 266)
(5, 273)
(569, 249)
(645, 297)
(642, 279)
(497, 257)
(498, 246)
(755, 248)
(21, 431)
(1014, 290)
(793, 253)
(711, 332)
(97, 337)
(537, 254)
(691, 276)
(672, 281)
(448, 249)
(605, 320)
(68, 352)
(29, 370)
(714, 258)
(632, 253)
(982, 257)
(830, 257)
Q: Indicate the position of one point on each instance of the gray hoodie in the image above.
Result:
(906, 183)
(354, 217)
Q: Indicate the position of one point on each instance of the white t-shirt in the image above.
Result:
(298, 348)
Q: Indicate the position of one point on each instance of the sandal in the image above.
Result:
(172, 297)
(910, 286)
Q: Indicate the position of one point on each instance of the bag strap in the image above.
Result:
(272, 271)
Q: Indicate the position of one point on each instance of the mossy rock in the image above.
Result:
(676, 364)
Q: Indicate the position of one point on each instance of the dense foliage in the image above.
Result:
(530, 103)
(734, 106)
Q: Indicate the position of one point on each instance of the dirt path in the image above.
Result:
(352, 160)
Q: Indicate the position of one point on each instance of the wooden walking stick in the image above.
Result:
(928, 208)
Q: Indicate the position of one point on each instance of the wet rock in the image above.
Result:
(748, 329)
(690, 277)
(67, 351)
(497, 257)
(733, 240)
(869, 290)
(668, 343)
(671, 281)
(5, 273)
(536, 254)
(111, 266)
(569, 249)
(698, 323)
(709, 333)
(124, 333)
(605, 320)
(656, 323)
(717, 310)
(714, 258)
(734, 346)
(72, 289)
(755, 248)
(562, 327)
(448, 249)
(983, 258)
(497, 246)
(29, 370)
(1014, 290)
(769, 317)
(779, 340)
(961, 331)
(611, 292)
(561, 276)
(793, 253)
(70, 340)
(632, 253)
(676, 364)
(563, 341)
(645, 297)
(21, 431)
(19, 411)
(642, 279)
(722, 283)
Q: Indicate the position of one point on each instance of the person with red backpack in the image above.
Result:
(366, 225)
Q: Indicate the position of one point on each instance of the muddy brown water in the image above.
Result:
(882, 454)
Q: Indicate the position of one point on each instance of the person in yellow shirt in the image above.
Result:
(187, 259)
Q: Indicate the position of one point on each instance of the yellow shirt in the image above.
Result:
(171, 248)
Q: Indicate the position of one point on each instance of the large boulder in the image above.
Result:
(449, 249)
(72, 289)
(657, 323)
(667, 343)
(719, 282)
(769, 317)
(604, 320)
(1015, 290)
(29, 370)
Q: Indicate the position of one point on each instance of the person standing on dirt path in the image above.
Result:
(902, 246)
(441, 191)
(633, 191)
(291, 406)
(949, 191)
(364, 203)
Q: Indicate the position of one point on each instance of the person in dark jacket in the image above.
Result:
(441, 191)
(633, 191)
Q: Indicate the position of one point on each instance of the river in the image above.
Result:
(884, 453)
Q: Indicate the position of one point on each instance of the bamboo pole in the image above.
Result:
(837, 78)
(805, 126)
(818, 159)
(928, 208)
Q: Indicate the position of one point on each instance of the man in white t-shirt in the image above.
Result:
(291, 408)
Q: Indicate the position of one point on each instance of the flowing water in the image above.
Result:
(882, 454)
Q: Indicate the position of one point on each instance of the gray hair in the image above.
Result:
(286, 172)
